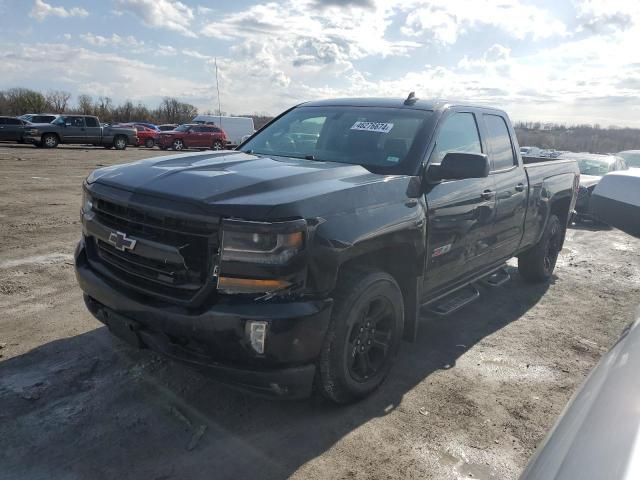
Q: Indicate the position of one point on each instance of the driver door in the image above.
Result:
(460, 212)
(74, 129)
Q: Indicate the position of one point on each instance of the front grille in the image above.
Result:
(196, 242)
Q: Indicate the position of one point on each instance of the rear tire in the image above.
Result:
(149, 143)
(50, 140)
(120, 142)
(217, 145)
(536, 264)
(363, 337)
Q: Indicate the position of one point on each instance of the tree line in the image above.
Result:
(18, 101)
(578, 138)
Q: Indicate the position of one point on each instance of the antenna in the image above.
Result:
(218, 89)
(411, 99)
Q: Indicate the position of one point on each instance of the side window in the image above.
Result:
(74, 121)
(458, 134)
(500, 146)
(13, 121)
(3, 121)
(216, 130)
(198, 129)
(92, 122)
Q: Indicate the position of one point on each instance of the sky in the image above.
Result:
(567, 61)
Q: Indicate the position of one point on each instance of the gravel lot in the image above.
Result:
(472, 398)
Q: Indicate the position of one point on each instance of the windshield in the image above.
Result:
(593, 167)
(367, 136)
(632, 159)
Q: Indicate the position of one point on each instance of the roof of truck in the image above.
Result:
(418, 104)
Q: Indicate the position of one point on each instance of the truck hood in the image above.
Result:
(254, 187)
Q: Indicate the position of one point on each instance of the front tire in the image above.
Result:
(178, 145)
(120, 143)
(217, 145)
(50, 140)
(149, 143)
(363, 338)
(536, 264)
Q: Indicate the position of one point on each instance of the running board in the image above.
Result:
(455, 301)
(497, 278)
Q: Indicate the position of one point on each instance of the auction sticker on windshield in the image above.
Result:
(373, 127)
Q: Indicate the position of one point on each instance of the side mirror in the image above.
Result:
(458, 166)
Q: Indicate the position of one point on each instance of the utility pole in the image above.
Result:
(215, 59)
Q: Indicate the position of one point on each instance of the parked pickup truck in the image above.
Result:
(82, 129)
(304, 257)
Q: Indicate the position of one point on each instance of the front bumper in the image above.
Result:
(32, 138)
(214, 337)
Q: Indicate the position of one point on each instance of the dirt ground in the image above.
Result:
(470, 399)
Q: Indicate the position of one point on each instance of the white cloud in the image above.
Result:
(81, 70)
(169, 14)
(42, 10)
(114, 40)
(599, 16)
(443, 21)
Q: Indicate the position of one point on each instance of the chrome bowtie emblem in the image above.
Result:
(121, 241)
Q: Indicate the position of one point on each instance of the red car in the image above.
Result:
(146, 136)
(193, 136)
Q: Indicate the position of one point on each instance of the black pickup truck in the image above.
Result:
(79, 129)
(305, 256)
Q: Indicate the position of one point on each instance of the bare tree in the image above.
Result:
(85, 104)
(58, 100)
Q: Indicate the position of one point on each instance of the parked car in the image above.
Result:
(288, 264)
(167, 127)
(235, 127)
(616, 201)
(12, 129)
(631, 157)
(39, 117)
(597, 434)
(79, 129)
(193, 136)
(151, 126)
(146, 136)
(592, 167)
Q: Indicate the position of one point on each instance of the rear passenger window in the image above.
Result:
(499, 141)
(458, 134)
(91, 122)
(13, 121)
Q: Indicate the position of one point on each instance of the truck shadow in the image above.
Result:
(92, 407)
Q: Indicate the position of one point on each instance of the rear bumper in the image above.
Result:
(214, 338)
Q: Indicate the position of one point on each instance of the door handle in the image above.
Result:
(487, 194)
(520, 187)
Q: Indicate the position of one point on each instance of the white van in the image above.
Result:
(235, 127)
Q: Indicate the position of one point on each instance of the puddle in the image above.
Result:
(464, 469)
(49, 259)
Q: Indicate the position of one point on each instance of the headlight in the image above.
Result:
(87, 202)
(33, 131)
(262, 243)
(259, 257)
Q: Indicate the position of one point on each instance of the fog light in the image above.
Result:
(257, 332)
